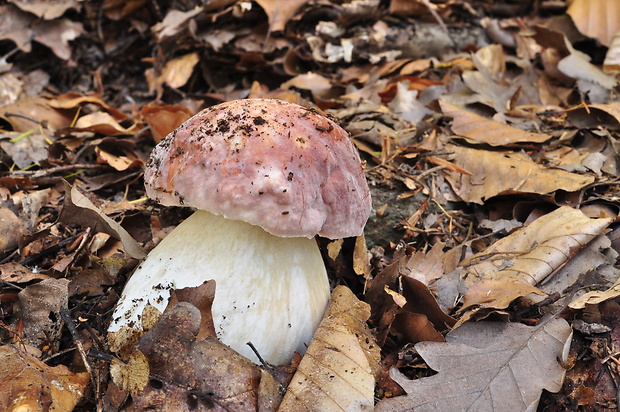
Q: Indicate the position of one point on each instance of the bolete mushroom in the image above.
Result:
(266, 177)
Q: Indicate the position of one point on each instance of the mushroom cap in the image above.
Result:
(267, 162)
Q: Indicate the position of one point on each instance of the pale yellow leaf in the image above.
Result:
(533, 252)
(178, 71)
(596, 296)
(337, 371)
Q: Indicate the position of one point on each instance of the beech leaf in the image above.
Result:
(478, 129)
(494, 173)
(337, 372)
(486, 366)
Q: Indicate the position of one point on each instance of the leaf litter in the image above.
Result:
(492, 155)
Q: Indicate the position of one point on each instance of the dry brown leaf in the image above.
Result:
(511, 267)
(595, 297)
(11, 229)
(45, 9)
(596, 115)
(487, 366)
(26, 114)
(337, 372)
(280, 12)
(182, 371)
(41, 304)
(117, 9)
(478, 129)
(15, 273)
(103, 123)
(309, 81)
(74, 100)
(164, 119)
(495, 173)
(535, 251)
(177, 71)
(30, 385)
(79, 210)
(22, 27)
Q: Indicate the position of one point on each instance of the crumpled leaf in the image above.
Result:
(22, 27)
(478, 129)
(184, 373)
(30, 385)
(596, 296)
(337, 371)
(41, 304)
(80, 210)
(487, 366)
(512, 266)
(494, 173)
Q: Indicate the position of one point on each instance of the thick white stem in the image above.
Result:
(270, 291)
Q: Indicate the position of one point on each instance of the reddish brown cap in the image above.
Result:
(267, 162)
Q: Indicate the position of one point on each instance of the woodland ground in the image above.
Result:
(489, 133)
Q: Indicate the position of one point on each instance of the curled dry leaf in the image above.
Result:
(30, 385)
(280, 12)
(487, 366)
(478, 129)
(596, 115)
(513, 265)
(495, 173)
(41, 304)
(338, 370)
(80, 210)
(181, 372)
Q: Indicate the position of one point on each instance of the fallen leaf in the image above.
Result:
(177, 71)
(105, 124)
(494, 173)
(486, 366)
(533, 252)
(41, 304)
(280, 12)
(511, 267)
(79, 210)
(164, 119)
(183, 373)
(478, 129)
(30, 385)
(595, 116)
(337, 371)
(48, 10)
(15, 273)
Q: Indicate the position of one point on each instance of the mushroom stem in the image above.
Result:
(270, 291)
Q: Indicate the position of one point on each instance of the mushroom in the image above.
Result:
(266, 177)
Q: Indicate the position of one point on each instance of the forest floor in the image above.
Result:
(487, 277)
